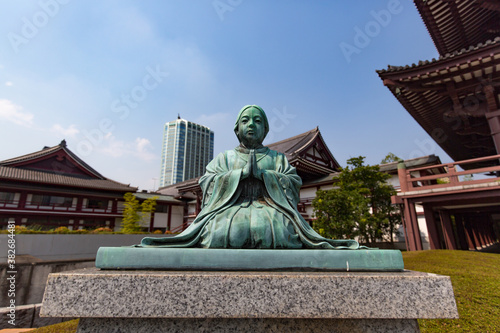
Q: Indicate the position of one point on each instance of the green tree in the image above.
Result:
(359, 205)
(390, 157)
(133, 212)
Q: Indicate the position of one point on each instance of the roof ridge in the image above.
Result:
(38, 153)
(293, 137)
(49, 150)
(316, 130)
(392, 68)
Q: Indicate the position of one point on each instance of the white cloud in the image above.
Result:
(9, 84)
(118, 148)
(216, 120)
(142, 143)
(70, 132)
(12, 112)
(141, 149)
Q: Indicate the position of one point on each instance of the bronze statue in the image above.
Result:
(250, 195)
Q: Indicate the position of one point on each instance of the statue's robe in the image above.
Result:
(250, 213)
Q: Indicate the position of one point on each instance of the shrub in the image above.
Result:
(19, 229)
(62, 230)
(102, 230)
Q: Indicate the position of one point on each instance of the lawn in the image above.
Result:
(475, 277)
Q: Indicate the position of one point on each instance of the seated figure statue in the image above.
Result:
(250, 195)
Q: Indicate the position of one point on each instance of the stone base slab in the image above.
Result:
(362, 260)
(98, 325)
(162, 294)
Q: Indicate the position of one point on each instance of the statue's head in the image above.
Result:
(251, 126)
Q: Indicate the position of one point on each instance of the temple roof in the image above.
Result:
(57, 166)
(294, 145)
(160, 198)
(58, 156)
(446, 98)
(32, 176)
(455, 25)
(418, 162)
(451, 96)
(307, 152)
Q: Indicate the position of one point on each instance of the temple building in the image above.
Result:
(186, 150)
(317, 166)
(455, 99)
(53, 187)
(307, 152)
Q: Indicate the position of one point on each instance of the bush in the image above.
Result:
(102, 230)
(80, 231)
(19, 229)
(62, 230)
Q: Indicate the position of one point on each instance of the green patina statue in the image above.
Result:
(250, 195)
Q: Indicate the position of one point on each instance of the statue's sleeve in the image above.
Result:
(220, 181)
(283, 182)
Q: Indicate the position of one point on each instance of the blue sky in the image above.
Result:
(107, 75)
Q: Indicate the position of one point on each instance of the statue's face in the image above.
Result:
(251, 128)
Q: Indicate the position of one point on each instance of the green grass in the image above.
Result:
(64, 327)
(475, 277)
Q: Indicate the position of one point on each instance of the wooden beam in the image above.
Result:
(432, 230)
(449, 237)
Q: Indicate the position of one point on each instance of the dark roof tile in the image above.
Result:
(18, 174)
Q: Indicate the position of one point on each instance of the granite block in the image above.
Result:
(362, 260)
(45, 321)
(120, 325)
(91, 293)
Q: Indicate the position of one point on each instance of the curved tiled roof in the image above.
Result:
(431, 91)
(34, 176)
(456, 24)
(21, 169)
(448, 56)
(295, 144)
(46, 152)
(450, 96)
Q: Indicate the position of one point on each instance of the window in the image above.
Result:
(6, 197)
(51, 200)
(161, 208)
(97, 203)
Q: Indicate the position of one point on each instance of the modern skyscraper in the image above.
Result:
(187, 149)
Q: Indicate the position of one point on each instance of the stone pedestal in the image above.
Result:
(195, 301)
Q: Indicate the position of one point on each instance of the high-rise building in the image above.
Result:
(186, 151)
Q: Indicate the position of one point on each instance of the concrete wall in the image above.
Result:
(177, 216)
(30, 279)
(38, 255)
(65, 246)
(27, 316)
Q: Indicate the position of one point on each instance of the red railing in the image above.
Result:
(181, 227)
(451, 177)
